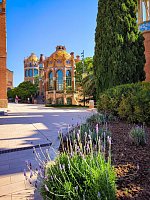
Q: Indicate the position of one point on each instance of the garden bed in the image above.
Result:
(132, 163)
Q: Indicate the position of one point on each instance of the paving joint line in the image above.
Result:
(24, 148)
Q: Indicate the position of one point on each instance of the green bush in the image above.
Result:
(138, 135)
(79, 177)
(130, 102)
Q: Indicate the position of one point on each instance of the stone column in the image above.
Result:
(146, 35)
(64, 85)
(64, 79)
(73, 79)
(54, 85)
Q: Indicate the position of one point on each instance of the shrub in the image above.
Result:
(130, 102)
(81, 173)
(137, 135)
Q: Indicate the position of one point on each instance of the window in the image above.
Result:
(30, 73)
(36, 72)
(68, 80)
(69, 101)
(59, 61)
(51, 81)
(68, 62)
(59, 80)
(40, 65)
(26, 73)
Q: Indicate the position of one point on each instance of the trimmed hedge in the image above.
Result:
(130, 102)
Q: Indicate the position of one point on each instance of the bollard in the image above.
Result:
(91, 104)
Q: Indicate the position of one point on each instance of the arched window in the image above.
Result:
(26, 73)
(59, 80)
(30, 73)
(36, 72)
(60, 101)
(68, 80)
(51, 81)
(69, 101)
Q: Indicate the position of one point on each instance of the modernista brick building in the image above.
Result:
(9, 79)
(56, 75)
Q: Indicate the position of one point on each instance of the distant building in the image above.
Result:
(9, 79)
(34, 70)
(56, 75)
(60, 77)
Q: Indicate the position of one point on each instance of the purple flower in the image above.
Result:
(30, 166)
(27, 162)
(31, 173)
(97, 128)
(76, 188)
(46, 188)
(25, 173)
(89, 137)
(60, 167)
(99, 195)
(63, 167)
(35, 185)
(109, 140)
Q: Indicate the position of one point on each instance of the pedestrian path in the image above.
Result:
(26, 126)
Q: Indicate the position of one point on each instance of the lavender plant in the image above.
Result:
(81, 171)
(138, 135)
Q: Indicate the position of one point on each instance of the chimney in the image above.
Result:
(72, 54)
(42, 58)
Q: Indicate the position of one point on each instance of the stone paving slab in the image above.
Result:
(25, 126)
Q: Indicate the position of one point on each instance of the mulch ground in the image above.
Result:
(132, 163)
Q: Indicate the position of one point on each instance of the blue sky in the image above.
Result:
(40, 25)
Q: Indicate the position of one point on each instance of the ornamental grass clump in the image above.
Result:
(82, 171)
(138, 135)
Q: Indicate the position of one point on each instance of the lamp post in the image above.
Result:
(83, 74)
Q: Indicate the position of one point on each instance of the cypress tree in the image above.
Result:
(119, 48)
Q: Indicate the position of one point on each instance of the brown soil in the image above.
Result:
(132, 163)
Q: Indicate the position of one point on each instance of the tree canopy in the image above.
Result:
(119, 49)
(85, 77)
(23, 91)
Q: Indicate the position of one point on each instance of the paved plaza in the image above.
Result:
(23, 127)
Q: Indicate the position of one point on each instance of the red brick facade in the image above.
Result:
(3, 85)
(9, 78)
(146, 35)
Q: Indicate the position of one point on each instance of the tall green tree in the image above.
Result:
(119, 49)
(24, 90)
(87, 80)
